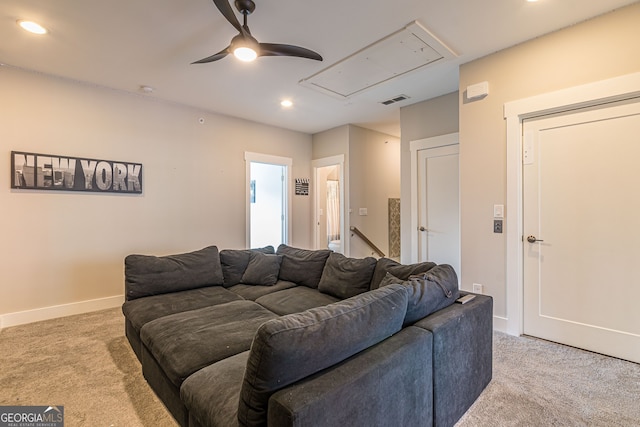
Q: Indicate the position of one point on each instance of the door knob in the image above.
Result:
(422, 229)
(532, 239)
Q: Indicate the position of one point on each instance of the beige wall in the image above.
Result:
(598, 49)
(374, 178)
(435, 117)
(62, 248)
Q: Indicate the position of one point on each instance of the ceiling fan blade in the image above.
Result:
(271, 49)
(214, 57)
(227, 11)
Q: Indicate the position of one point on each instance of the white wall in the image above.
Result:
(63, 248)
(595, 50)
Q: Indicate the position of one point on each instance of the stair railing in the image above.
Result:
(360, 234)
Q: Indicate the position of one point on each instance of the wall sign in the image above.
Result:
(302, 186)
(32, 171)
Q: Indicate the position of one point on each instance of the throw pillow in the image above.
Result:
(147, 275)
(401, 271)
(262, 270)
(234, 262)
(345, 277)
(429, 292)
(302, 266)
(295, 346)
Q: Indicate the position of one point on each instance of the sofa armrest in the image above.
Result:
(462, 356)
(389, 383)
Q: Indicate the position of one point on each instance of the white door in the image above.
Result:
(439, 206)
(328, 190)
(582, 229)
(268, 207)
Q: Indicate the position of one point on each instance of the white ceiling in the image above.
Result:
(124, 44)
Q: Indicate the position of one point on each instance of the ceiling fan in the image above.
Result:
(244, 46)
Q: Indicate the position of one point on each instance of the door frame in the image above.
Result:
(287, 163)
(414, 147)
(515, 112)
(321, 163)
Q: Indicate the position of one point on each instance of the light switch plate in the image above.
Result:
(363, 211)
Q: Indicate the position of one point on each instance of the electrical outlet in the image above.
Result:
(477, 288)
(497, 226)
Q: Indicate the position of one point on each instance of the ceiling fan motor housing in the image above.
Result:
(245, 7)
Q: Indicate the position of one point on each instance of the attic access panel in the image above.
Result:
(402, 52)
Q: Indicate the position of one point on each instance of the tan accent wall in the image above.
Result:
(591, 51)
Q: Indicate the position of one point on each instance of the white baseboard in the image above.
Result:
(53, 312)
(500, 324)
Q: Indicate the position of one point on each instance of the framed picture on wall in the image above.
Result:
(33, 171)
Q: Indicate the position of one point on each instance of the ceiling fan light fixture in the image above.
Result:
(244, 53)
(244, 47)
(32, 27)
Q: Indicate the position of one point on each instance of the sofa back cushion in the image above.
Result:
(295, 346)
(302, 266)
(345, 277)
(428, 292)
(147, 275)
(235, 261)
(401, 271)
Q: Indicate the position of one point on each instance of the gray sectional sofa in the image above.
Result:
(298, 337)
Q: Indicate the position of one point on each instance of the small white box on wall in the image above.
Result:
(478, 90)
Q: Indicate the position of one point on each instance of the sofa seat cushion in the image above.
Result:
(344, 277)
(295, 300)
(302, 266)
(429, 292)
(295, 346)
(143, 310)
(186, 342)
(253, 292)
(147, 275)
(211, 395)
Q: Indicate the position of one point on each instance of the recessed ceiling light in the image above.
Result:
(32, 27)
(286, 103)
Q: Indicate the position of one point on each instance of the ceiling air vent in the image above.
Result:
(408, 49)
(395, 99)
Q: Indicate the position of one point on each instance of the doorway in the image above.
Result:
(516, 112)
(329, 218)
(436, 222)
(581, 228)
(268, 204)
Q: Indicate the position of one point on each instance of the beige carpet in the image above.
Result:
(85, 364)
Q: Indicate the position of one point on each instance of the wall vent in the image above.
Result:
(408, 49)
(395, 99)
